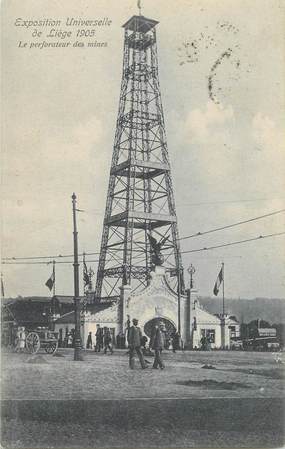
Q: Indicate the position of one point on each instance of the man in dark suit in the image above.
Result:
(134, 341)
(99, 339)
(157, 344)
(107, 339)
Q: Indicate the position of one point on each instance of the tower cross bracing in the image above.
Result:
(140, 199)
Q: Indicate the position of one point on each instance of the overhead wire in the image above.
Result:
(71, 262)
(182, 252)
(233, 243)
(48, 257)
(232, 225)
(198, 234)
(209, 203)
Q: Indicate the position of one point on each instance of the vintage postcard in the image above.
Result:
(142, 261)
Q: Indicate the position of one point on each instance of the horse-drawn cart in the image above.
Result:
(41, 338)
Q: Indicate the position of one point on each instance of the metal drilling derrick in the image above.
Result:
(140, 200)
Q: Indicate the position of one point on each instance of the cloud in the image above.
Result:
(80, 143)
(268, 157)
(220, 150)
(69, 160)
(85, 135)
(266, 133)
(208, 144)
(200, 124)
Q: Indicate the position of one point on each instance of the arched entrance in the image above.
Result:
(169, 328)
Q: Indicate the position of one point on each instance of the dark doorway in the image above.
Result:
(169, 327)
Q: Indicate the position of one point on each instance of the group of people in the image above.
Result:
(103, 340)
(205, 343)
(68, 341)
(136, 342)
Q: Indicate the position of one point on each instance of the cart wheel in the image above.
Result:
(33, 342)
(51, 348)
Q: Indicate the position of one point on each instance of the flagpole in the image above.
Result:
(83, 273)
(2, 286)
(53, 271)
(140, 7)
(223, 315)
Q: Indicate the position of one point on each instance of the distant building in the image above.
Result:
(103, 314)
(158, 302)
(205, 324)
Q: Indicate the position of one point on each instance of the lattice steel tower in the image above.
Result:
(140, 199)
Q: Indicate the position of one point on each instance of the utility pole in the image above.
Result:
(223, 267)
(77, 346)
(179, 300)
(191, 270)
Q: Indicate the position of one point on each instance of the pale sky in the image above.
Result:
(226, 146)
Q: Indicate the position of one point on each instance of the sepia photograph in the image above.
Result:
(143, 224)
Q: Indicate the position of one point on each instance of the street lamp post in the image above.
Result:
(179, 300)
(191, 270)
(77, 345)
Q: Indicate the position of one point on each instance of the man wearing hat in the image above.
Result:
(157, 344)
(134, 341)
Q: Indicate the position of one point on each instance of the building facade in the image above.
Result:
(157, 302)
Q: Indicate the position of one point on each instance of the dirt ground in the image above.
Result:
(201, 399)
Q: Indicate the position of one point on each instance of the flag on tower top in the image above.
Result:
(218, 282)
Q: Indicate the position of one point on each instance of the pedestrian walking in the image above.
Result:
(203, 342)
(128, 326)
(89, 341)
(107, 339)
(157, 344)
(134, 341)
(99, 338)
(65, 340)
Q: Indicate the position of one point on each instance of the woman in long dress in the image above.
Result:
(21, 339)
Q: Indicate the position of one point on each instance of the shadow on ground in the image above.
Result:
(212, 384)
(143, 423)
